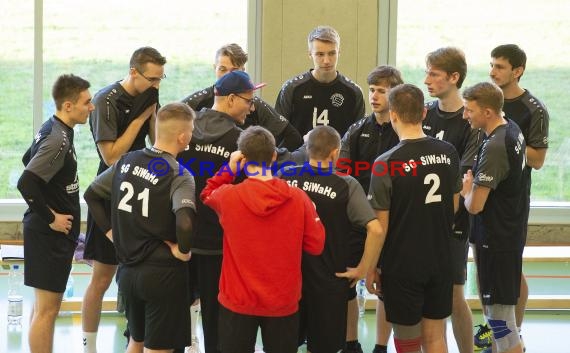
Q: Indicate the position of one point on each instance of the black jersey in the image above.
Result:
(365, 141)
(52, 158)
(451, 127)
(114, 110)
(213, 140)
(531, 116)
(263, 115)
(143, 205)
(420, 202)
(308, 103)
(500, 167)
(341, 204)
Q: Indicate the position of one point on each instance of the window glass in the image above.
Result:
(96, 40)
(540, 29)
(16, 92)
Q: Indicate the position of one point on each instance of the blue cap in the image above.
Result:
(235, 82)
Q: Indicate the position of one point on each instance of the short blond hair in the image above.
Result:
(324, 34)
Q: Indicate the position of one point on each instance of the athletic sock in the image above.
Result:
(90, 342)
(194, 312)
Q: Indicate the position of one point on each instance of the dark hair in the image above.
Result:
(68, 87)
(486, 94)
(513, 53)
(322, 141)
(145, 55)
(385, 75)
(257, 145)
(175, 111)
(237, 55)
(450, 60)
(407, 101)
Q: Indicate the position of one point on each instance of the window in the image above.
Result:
(16, 85)
(477, 27)
(96, 42)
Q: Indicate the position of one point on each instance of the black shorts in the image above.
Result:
(407, 302)
(356, 243)
(323, 320)
(238, 332)
(157, 304)
(499, 276)
(97, 246)
(459, 248)
(47, 259)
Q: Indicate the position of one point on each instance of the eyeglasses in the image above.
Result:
(151, 79)
(249, 101)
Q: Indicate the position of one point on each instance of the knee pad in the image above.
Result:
(501, 319)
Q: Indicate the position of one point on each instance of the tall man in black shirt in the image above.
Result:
(494, 194)
(364, 141)
(152, 214)
(446, 70)
(50, 187)
(232, 57)
(123, 117)
(322, 95)
(508, 63)
(415, 191)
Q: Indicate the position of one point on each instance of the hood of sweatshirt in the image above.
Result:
(263, 198)
(210, 125)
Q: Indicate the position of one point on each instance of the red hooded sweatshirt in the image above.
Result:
(267, 225)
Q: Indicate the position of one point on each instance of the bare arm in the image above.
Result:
(111, 151)
(152, 128)
(455, 202)
(373, 276)
(535, 157)
(375, 237)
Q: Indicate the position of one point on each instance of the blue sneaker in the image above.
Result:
(482, 339)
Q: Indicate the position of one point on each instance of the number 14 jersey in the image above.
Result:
(308, 103)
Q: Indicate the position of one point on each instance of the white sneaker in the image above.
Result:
(522, 344)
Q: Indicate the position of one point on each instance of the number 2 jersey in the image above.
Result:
(420, 201)
(308, 103)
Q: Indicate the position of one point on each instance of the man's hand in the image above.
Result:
(467, 183)
(61, 223)
(176, 253)
(352, 274)
(237, 161)
(373, 282)
(148, 112)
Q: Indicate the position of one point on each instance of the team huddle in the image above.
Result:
(217, 232)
